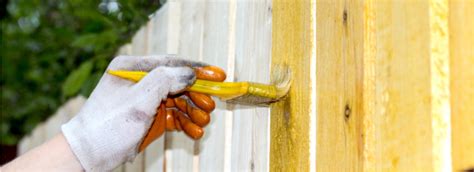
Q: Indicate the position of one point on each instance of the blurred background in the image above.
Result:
(52, 50)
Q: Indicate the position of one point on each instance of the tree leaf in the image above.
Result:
(76, 79)
(86, 41)
(90, 84)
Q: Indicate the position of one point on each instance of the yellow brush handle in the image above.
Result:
(224, 90)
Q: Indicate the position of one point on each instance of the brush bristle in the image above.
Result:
(281, 76)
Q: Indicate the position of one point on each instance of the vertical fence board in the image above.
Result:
(38, 136)
(339, 85)
(439, 75)
(52, 126)
(293, 46)
(124, 50)
(75, 106)
(215, 51)
(181, 152)
(250, 142)
(139, 47)
(158, 44)
(62, 115)
(24, 145)
(461, 31)
(407, 128)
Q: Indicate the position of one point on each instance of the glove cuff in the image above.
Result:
(92, 155)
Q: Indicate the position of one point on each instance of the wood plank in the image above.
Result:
(229, 114)
(62, 115)
(139, 47)
(250, 132)
(124, 50)
(339, 85)
(120, 168)
(293, 45)
(139, 44)
(158, 31)
(406, 128)
(461, 31)
(180, 152)
(24, 145)
(75, 105)
(440, 95)
(51, 127)
(37, 136)
(215, 51)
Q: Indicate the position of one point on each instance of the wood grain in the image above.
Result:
(158, 30)
(461, 32)
(292, 45)
(250, 132)
(181, 153)
(215, 51)
(377, 85)
(406, 121)
(139, 46)
(339, 90)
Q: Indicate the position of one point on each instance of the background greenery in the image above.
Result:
(52, 50)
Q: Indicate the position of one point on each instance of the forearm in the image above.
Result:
(54, 155)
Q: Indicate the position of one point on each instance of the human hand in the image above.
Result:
(113, 122)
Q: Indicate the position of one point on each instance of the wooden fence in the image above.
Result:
(238, 136)
(377, 85)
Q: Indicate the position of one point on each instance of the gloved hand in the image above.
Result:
(188, 112)
(111, 125)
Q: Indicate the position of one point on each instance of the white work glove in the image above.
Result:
(111, 125)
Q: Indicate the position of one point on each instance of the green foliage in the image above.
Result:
(52, 50)
(76, 79)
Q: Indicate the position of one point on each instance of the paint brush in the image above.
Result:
(250, 93)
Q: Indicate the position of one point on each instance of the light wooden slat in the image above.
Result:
(124, 50)
(24, 145)
(158, 30)
(461, 31)
(62, 115)
(250, 132)
(229, 114)
(139, 47)
(155, 152)
(37, 136)
(292, 45)
(180, 150)
(215, 52)
(369, 87)
(52, 126)
(34, 139)
(440, 95)
(407, 127)
(120, 168)
(139, 44)
(161, 34)
(339, 85)
(75, 105)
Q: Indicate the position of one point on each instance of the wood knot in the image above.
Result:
(287, 110)
(347, 112)
(344, 16)
(469, 169)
